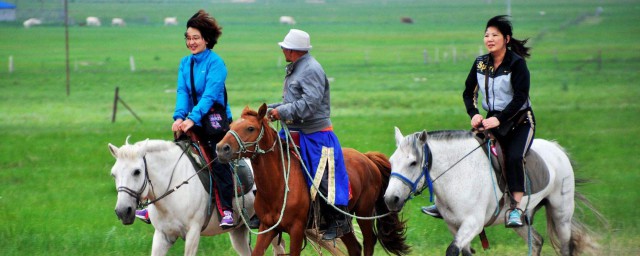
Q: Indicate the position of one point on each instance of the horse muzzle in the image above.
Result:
(224, 152)
(126, 215)
(394, 203)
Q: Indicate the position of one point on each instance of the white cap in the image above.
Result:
(296, 40)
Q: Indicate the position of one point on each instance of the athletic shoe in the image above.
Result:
(227, 220)
(515, 218)
(431, 211)
(143, 215)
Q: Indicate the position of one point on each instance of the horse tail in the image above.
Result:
(583, 239)
(390, 230)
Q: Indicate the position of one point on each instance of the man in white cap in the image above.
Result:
(306, 110)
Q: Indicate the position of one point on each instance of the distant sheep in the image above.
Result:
(406, 20)
(93, 21)
(118, 22)
(287, 20)
(171, 21)
(31, 22)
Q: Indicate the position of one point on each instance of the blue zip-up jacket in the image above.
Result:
(209, 73)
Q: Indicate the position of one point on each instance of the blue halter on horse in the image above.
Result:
(426, 165)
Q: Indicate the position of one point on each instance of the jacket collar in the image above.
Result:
(199, 57)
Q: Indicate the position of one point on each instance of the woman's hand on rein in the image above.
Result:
(490, 123)
(186, 125)
(175, 127)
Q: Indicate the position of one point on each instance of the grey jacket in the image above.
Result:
(306, 103)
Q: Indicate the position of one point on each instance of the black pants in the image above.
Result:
(515, 146)
(222, 173)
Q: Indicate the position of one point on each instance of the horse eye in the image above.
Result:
(412, 164)
(251, 128)
(136, 172)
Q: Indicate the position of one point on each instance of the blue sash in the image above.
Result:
(311, 150)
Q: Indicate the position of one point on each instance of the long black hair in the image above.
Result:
(503, 24)
(208, 27)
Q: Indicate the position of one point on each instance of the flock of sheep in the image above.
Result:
(168, 21)
(95, 22)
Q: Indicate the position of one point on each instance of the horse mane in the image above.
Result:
(133, 151)
(448, 135)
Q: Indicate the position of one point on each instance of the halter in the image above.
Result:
(256, 144)
(426, 165)
(138, 194)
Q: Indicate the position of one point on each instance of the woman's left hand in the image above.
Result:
(186, 125)
(491, 122)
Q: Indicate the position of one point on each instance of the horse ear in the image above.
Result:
(144, 144)
(399, 136)
(423, 136)
(262, 111)
(114, 150)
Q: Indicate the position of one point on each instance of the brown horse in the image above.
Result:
(251, 136)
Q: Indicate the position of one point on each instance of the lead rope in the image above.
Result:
(286, 172)
(495, 193)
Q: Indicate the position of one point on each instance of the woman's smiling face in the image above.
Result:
(194, 41)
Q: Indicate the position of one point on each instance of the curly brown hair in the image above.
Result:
(208, 27)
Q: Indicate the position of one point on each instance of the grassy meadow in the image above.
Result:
(56, 194)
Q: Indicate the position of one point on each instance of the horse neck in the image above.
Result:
(268, 167)
(457, 158)
(167, 168)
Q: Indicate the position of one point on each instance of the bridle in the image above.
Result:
(413, 185)
(138, 194)
(426, 165)
(244, 145)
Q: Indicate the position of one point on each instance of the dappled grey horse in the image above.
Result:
(467, 193)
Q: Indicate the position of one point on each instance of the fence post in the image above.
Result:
(11, 64)
(425, 55)
(132, 63)
(115, 105)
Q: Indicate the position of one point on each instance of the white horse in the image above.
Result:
(463, 184)
(150, 168)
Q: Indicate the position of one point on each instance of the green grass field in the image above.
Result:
(56, 194)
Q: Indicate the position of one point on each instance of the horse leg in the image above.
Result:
(463, 236)
(296, 236)
(240, 240)
(559, 217)
(368, 236)
(352, 244)
(278, 248)
(161, 243)
(192, 240)
(536, 244)
(263, 241)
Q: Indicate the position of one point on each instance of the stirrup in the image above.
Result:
(514, 223)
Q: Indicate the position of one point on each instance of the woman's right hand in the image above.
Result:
(476, 121)
(175, 127)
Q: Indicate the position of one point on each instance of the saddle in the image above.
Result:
(536, 172)
(243, 172)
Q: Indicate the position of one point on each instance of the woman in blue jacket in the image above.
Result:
(209, 75)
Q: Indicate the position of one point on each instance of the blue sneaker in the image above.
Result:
(227, 219)
(515, 218)
(143, 215)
